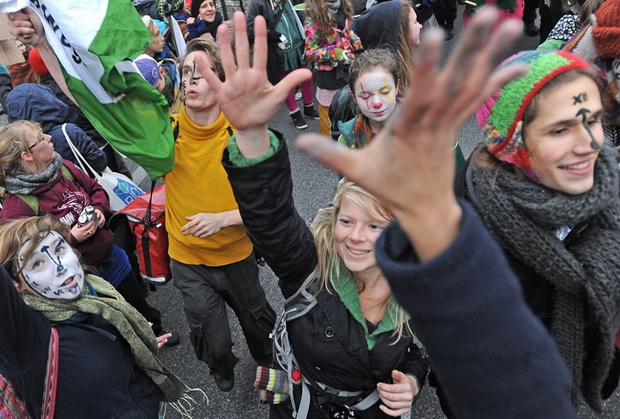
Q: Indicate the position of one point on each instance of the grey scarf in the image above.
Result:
(23, 183)
(524, 216)
(334, 6)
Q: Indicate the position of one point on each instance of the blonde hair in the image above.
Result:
(14, 142)
(330, 264)
(32, 230)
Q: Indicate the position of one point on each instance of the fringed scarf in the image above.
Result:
(524, 217)
(132, 326)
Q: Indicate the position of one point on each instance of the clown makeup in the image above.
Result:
(52, 270)
(191, 74)
(564, 138)
(583, 114)
(375, 95)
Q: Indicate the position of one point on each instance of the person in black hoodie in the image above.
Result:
(37, 103)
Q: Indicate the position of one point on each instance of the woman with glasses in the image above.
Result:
(38, 182)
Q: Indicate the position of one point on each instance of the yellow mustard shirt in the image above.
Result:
(198, 183)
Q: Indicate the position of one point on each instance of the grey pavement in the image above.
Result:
(313, 188)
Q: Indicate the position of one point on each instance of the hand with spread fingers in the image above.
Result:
(246, 97)
(409, 165)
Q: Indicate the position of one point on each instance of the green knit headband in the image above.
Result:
(501, 116)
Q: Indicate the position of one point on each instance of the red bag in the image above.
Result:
(146, 217)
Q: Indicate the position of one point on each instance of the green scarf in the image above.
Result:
(347, 291)
(131, 325)
(362, 132)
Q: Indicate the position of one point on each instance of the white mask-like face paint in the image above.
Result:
(375, 94)
(52, 270)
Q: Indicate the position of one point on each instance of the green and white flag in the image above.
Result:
(95, 42)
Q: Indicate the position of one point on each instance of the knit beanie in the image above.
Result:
(501, 116)
(37, 64)
(148, 68)
(606, 32)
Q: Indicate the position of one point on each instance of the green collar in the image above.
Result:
(347, 291)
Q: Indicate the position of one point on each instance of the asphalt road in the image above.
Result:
(313, 188)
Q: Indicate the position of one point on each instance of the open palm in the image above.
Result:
(246, 97)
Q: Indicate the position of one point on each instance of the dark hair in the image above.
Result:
(371, 59)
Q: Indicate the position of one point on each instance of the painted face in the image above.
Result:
(414, 27)
(207, 11)
(375, 94)
(41, 148)
(52, 270)
(565, 137)
(157, 45)
(198, 96)
(355, 235)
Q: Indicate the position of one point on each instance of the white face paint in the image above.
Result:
(52, 270)
(375, 94)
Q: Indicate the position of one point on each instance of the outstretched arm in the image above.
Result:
(410, 165)
(26, 26)
(246, 97)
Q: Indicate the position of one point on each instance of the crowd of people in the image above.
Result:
(481, 276)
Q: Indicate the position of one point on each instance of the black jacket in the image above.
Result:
(537, 291)
(97, 374)
(263, 8)
(329, 344)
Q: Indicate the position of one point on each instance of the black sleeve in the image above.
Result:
(254, 10)
(24, 340)
(491, 355)
(416, 363)
(5, 89)
(264, 194)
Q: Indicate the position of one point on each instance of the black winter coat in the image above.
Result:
(329, 344)
(263, 8)
(538, 292)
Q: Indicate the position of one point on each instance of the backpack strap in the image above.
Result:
(66, 172)
(175, 130)
(32, 201)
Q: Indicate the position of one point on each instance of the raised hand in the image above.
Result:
(410, 164)
(26, 26)
(247, 98)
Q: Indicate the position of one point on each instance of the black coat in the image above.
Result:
(538, 292)
(329, 344)
(263, 8)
